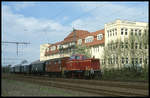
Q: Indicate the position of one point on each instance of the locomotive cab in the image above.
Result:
(82, 66)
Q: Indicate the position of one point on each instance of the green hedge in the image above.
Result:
(126, 74)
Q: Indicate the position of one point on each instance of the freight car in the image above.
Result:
(17, 68)
(38, 67)
(26, 68)
(12, 69)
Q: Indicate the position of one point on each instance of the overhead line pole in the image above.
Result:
(74, 39)
(17, 43)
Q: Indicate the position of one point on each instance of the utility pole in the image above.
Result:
(17, 43)
(74, 40)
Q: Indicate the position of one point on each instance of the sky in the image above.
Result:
(50, 22)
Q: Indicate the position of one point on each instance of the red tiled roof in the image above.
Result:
(80, 34)
(95, 41)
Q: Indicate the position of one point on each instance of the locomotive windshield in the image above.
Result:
(75, 57)
(78, 57)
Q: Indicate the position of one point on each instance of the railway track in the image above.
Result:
(101, 88)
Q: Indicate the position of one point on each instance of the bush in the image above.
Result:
(130, 73)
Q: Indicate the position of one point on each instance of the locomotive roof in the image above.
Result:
(56, 59)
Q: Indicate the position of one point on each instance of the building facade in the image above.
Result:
(119, 44)
(126, 43)
(65, 48)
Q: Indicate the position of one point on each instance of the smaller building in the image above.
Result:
(94, 40)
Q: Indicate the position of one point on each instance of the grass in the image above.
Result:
(20, 88)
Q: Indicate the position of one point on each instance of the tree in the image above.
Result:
(82, 49)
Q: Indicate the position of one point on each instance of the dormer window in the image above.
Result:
(89, 39)
(99, 36)
(53, 48)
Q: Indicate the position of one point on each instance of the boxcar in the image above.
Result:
(27, 69)
(12, 69)
(38, 67)
(17, 68)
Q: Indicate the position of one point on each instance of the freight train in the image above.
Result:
(77, 65)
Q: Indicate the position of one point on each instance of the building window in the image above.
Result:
(116, 31)
(146, 61)
(126, 44)
(111, 60)
(116, 60)
(116, 45)
(108, 32)
(126, 60)
(139, 32)
(53, 48)
(140, 60)
(122, 60)
(135, 31)
(122, 31)
(121, 44)
(131, 31)
(113, 31)
(126, 31)
(133, 61)
(104, 61)
(132, 45)
(136, 45)
(145, 46)
(89, 39)
(140, 46)
(145, 31)
(136, 60)
(99, 36)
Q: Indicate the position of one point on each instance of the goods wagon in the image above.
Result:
(38, 67)
(17, 69)
(54, 67)
(27, 69)
(12, 69)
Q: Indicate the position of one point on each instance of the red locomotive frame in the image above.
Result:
(75, 66)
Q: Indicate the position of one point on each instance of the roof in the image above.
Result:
(37, 62)
(81, 34)
(78, 33)
(95, 41)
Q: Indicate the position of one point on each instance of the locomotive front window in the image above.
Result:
(72, 57)
(59, 62)
(77, 57)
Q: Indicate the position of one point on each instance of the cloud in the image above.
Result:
(17, 27)
(98, 14)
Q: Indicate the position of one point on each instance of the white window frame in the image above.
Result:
(99, 36)
(89, 39)
(53, 48)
